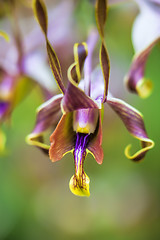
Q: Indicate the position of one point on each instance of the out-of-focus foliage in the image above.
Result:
(124, 204)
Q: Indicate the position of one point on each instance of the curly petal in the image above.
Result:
(80, 54)
(133, 121)
(135, 79)
(38, 141)
(48, 115)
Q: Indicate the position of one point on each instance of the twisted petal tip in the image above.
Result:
(144, 88)
(80, 186)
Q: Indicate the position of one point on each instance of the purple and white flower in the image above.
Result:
(80, 128)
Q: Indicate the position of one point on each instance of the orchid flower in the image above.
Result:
(145, 35)
(80, 128)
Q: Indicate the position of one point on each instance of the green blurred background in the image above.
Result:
(35, 200)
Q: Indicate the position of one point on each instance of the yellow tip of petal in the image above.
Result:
(4, 35)
(2, 141)
(144, 88)
(80, 189)
(139, 154)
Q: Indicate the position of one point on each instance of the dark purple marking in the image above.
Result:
(80, 148)
(3, 108)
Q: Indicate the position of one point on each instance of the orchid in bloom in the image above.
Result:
(80, 128)
(145, 35)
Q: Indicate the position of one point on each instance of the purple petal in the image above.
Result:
(80, 54)
(146, 27)
(48, 115)
(7, 86)
(97, 93)
(135, 80)
(85, 120)
(134, 123)
(74, 98)
(4, 107)
(101, 16)
(105, 66)
(91, 42)
(41, 14)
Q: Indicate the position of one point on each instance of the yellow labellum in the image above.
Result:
(80, 189)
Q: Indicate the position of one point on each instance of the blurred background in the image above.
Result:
(35, 200)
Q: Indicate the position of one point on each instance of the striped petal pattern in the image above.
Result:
(42, 18)
(80, 54)
(62, 139)
(133, 121)
(48, 115)
(101, 16)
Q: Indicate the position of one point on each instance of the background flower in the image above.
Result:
(22, 55)
(145, 35)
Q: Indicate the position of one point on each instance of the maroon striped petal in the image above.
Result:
(74, 98)
(134, 123)
(48, 115)
(105, 66)
(101, 16)
(80, 54)
(135, 79)
(95, 147)
(40, 12)
(62, 139)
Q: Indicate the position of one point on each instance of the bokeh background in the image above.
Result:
(35, 200)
